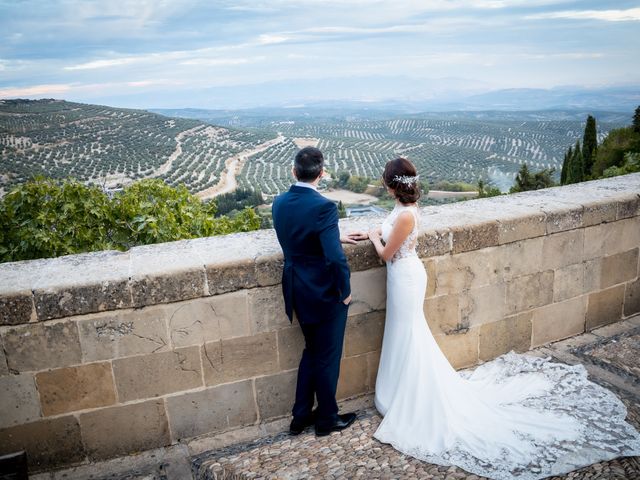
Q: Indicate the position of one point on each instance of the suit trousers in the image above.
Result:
(320, 367)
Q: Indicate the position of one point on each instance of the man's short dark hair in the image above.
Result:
(308, 164)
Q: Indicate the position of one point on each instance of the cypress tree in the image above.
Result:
(589, 145)
(636, 120)
(565, 166)
(575, 171)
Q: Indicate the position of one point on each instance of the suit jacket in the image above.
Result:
(315, 278)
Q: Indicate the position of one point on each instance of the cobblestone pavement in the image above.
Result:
(610, 354)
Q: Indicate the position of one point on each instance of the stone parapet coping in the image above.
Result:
(45, 289)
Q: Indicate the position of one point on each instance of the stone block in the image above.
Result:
(562, 249)
(434, 242)
(76, 388)
(460, 349)
(598, 212)
(559, 320)
(19, 402)
(49, 443)
(122, 430)
(290, 346)
(510, 333)
(592, 274)
(269, 269)
(4, 368)
(611, 238)
(568, 282)
(605, 307)
(80, 284)
(65, 301)
(564, 216)
(354, 377)
(124, 333)
(275, 394)
(368, 290)
(39, 346)
(230, 276)
(482, 305)
(629, 206)
(364, 333)
(202, 320)
(443, 314)
(455, 273)
(362, 256)
(166, 272)
(430, 268)
(632, 298)
(166, 287)
(239, 358)
(147, 376)
(619, 268)
(519, 258)
(266, 309)
(520, 227)
(212, 410)
(373, 361)
(16, 308)
(529, 291)
(474, 237)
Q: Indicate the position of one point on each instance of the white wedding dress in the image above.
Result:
(516, 417)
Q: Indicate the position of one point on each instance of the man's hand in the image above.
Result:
(353, 237)
(347, 300)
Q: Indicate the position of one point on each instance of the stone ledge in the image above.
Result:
(47, 289)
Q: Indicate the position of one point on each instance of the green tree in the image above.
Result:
(343, 179)
(357, 184)
(485, 190)
(575, 170)
(42, 218)
(46, 218)
(565, 166)
(589, 145)
(526, 181)
(612, 150)
(636, 120)
(342, 212)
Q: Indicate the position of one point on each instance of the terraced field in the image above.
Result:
(112, 146)
(454, 150)
(116, 146)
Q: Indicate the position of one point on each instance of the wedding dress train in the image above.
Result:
(514, 417)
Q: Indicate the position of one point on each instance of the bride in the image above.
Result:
(514, 417)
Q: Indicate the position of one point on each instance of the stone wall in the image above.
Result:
(110, 353)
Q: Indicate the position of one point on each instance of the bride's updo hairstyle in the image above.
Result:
(402, 177)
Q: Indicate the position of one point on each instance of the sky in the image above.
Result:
(241, 53)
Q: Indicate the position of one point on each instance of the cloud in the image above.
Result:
(115, 62)
(216, 62)
(629, 15)
(35, 90)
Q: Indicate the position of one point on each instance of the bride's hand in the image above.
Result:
(374, 234)
(353, 237)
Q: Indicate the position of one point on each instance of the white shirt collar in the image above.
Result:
(306, 185)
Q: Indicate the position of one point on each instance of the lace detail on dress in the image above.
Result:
(597, 415)
(408, 247)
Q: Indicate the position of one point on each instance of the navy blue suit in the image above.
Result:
(315, 281)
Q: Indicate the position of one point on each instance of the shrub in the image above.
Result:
(46, 218)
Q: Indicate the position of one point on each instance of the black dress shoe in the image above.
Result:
(298, 425)
(341, 423)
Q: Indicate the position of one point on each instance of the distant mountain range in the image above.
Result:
(562, 103)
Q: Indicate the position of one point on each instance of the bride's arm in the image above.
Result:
(401, 230)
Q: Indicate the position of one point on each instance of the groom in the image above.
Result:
(315, 284)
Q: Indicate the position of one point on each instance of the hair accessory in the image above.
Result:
(405, 179)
